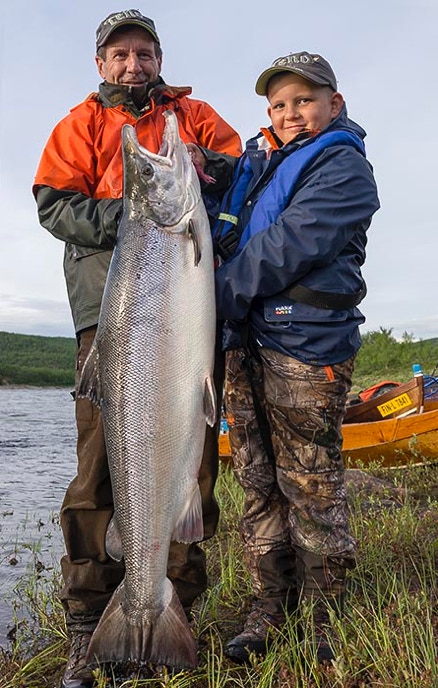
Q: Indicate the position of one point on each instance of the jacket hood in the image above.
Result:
(342, 121)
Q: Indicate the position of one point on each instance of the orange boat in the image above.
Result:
(396, 428)
(392, 442)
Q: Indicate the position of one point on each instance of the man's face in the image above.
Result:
(130, 59)
(297, 105)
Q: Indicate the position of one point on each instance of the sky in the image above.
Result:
(382, 51)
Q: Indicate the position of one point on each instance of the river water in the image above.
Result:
(37, 461)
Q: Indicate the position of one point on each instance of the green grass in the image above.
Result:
(387, 638)
(389, 635)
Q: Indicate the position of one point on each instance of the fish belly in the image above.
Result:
(155, 344)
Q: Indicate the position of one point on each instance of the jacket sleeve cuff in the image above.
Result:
(220, 166)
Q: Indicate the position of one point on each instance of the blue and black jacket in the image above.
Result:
(303, 213)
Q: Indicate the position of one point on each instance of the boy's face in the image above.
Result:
(297, 105)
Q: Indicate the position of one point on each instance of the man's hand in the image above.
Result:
(199, 161)
(197, 156)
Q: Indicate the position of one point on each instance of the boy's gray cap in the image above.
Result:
(310, 66)
(125, 18)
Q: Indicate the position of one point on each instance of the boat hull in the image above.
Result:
(392, 442)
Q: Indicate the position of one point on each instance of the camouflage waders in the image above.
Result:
(295, 523)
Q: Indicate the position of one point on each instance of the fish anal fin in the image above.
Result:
(165, 639)
(210, 402)
(190, 527)
(89, 384)
(113, 541)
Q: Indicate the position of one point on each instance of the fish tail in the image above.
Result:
(165, 640)
(173, 643)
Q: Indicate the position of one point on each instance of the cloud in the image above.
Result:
(385, 70)
(27, 315)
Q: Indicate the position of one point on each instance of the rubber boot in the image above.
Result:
(322, 581)
(77, 673)
(274, 581)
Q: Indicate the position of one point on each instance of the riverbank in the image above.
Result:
(50, 361)
(37, 462)
(387, 638)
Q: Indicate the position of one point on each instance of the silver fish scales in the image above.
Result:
(151, 372)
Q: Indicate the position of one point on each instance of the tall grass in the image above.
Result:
(387, 638)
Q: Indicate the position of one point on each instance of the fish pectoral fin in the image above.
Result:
(164, 638)
(190, 527)
(210, 402)
(89, 384)
(113, 541)
(194, 237)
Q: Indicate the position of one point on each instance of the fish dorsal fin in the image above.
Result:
(190, 527)
(89, 384)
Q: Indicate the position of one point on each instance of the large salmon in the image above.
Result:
(151, 372)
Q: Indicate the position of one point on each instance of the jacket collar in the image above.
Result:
(113, 95)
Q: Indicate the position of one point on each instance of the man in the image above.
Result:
(292, 236)
(78, 189)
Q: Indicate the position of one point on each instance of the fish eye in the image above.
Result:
(147, 171)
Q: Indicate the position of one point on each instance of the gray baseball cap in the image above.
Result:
(125, 18)
(310, 66)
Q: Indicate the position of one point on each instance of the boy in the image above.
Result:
(291, 241)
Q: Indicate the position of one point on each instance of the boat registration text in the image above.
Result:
(396, 404)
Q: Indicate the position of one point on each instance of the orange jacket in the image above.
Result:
(78, 185)
(84, 151)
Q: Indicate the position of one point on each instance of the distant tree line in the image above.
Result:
(37, 361)
(50, 361)
(383, 357)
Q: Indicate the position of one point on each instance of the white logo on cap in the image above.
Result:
(291, 60)
(127, 14)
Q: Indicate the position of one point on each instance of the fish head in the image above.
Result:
(162, 187)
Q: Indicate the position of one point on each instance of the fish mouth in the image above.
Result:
(169, 143)
(164, 185)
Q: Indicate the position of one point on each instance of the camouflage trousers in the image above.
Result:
(295, 496)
